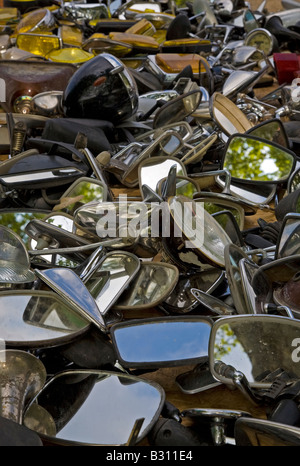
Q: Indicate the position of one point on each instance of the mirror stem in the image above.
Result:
(241, 383)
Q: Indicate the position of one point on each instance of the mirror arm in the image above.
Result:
(86, 247)
(241, 382)
(273, 308)
(238, 379)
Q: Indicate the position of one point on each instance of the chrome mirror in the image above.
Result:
(74, 399)
(152, 285)
(38, 319)
(81, 192)
(288, 241)
(254, 345)
(272, 130)
(152, 170)
(161, 342)
(111, 277)
(264, 433)
(227, 115)
(198, 230)
(177, 109)
(248, 158)
(70, 287)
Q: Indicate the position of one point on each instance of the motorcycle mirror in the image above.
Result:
(253, 345)
(188, 218)
(17, 219)
(162, 341)
(39, 319)
(126, 221)
(250, 196)
(111, 277)
(242, 81)
(70, 288)
(81, 192)
(281, 277)
(264, 433)
(232, 257)
(249, 158)
(214, 305)
(288, 239)
(177, 109)
(227, 115)
(152, 284)
(153, 169)
(272, 130)
(215, 204)
(75, 398)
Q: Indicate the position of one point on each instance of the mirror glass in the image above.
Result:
(264, 433)
(177, 109)
(80, 193)
(214, 305)
(16, 220)
(255, 345)
(253, 159)
(85, 412)
(288, 242)
(42, 178)
(70, 287)
(183, 186)
(215, 205)
(152, 170)
(114, 273)
(152, 284)
(203, 232)
(38, 319)
(272, 130)
(161, 341)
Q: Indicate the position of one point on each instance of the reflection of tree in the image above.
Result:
(225, 341)
(256, 160)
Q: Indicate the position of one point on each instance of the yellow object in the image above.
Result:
(8, 15)
(40, 20)
(176, 62)
(38, 44)
(143, 27)
(136, 40)
(71, 35)
(71, 55)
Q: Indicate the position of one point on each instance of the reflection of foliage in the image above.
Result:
(213, 208)
(225, 341)
(17, 221)
(256, 160)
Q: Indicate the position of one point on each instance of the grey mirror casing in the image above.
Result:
(288, 239)
(162, 341)
(264, 162)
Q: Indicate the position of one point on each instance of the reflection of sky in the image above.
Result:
(167, 341)
(110, 411)
(151, 175)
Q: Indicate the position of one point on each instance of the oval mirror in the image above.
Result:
(272, 130)
(198, 229)
(248, 158)
(227, 115)
(255, 345)
(92, 407)
(152, 284)
(161, 341)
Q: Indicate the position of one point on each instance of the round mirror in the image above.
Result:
(257, 160)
